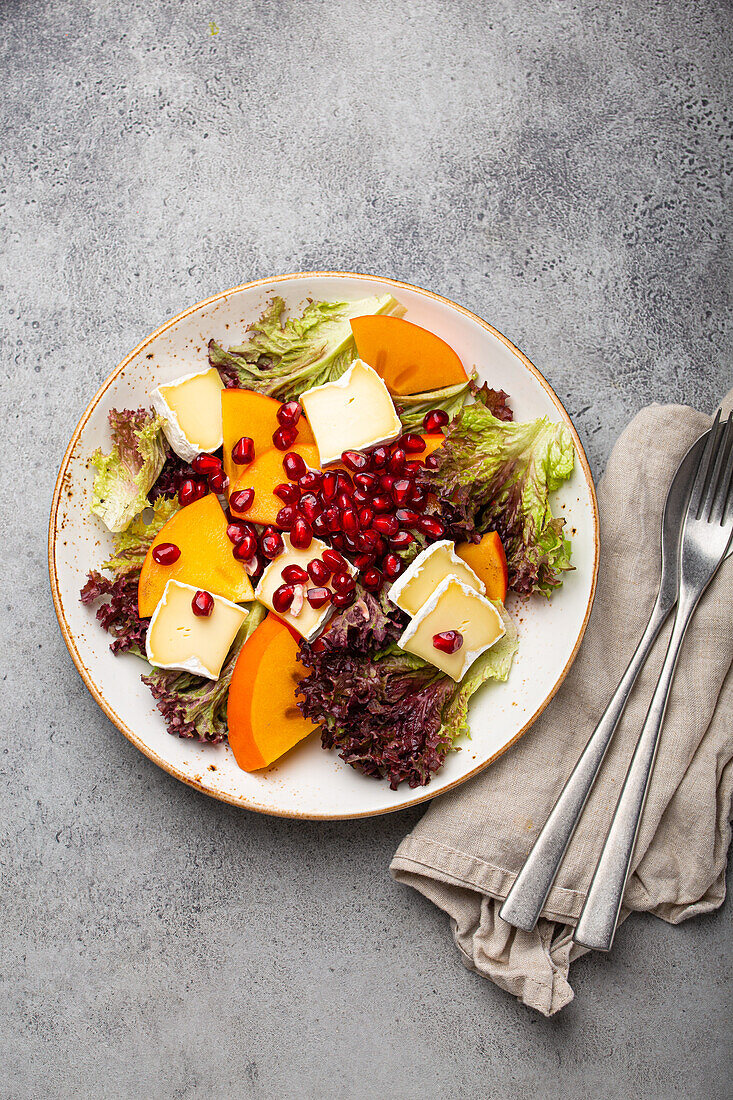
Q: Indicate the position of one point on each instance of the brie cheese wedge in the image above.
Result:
(353, 413)
(191, 643)
(418, 582)
(453, 606)
(192, 409)
(307, 620)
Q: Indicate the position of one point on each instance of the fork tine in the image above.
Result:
(724, 501)
(700, 483)
(712, 494)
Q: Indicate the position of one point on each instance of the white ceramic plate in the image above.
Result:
(309, 782)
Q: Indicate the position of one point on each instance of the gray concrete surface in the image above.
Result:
(560, 168)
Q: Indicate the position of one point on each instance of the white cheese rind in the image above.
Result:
(356, 412)
(178, 639)
(308, 621)
(204, 432)
(454, 606)
(422, 577)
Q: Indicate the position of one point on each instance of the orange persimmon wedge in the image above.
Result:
(264, 475)
(262, 714)
(409, 358)
(488, 561)
(245, 412)
(433, 440)
(200, 532)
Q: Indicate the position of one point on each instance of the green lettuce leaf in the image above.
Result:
(412, 408)
(126, 475)
(494, 664)
(193, 706)
(283, 358)
(493, 475)
(132, 544)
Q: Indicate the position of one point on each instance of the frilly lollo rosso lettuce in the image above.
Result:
(283, 358)
(497, 476)
(194, 706)
(127, 474)
(387, 713)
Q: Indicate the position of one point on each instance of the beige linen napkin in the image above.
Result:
(466, 851)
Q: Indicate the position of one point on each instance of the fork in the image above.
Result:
(706, 535)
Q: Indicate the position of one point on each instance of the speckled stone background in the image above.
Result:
(558, 167)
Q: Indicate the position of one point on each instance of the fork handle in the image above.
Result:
(529, 892)
(597, 924)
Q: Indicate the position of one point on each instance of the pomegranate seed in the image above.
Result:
(270, 530)
(373, 580)
(329, 486)
(392, 566)
(243, 451)
(368, 541)
(386, 482)
(406, 518)
(401, 540)
(431, 526)
(351, 542)
(344, 599)
(412, 469)
(206, 464)
(319, 526)
(289, 414)
(245, 548)
(286, 517)
(418, 499)
(166, 553)
(338, 539)
(202, 604)
(366, 515)
(382, 503)
(345, 484)
(401, 490)
(413, 444)
(386, 525)
(289, 494)
(333, 518)
(397, 461)
(318, 597)
(363, 561)
(344, 500)
(449, 641)
(190, 491)
(432, 461)
(435, 420)
(355, 460)
(301, 534)
(360, 497)
(218, 482)
(242, 500)
(366, 482)
(310, 481)
(284, 438)
(336, 562)
(378, 458)
(310, 506)
(342, 582)
(282, 597)
(293, 465)
(350, 521)
(318, 571)
(294, 574)
(381, 548)
(236, 531)
(272, 545)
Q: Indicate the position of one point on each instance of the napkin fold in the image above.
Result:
(468, 848)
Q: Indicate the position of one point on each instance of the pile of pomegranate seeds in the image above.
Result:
(210, 466)
(371, 510)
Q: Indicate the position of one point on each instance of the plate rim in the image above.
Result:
(67, 634)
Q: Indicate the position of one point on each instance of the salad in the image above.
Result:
(317, 529)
